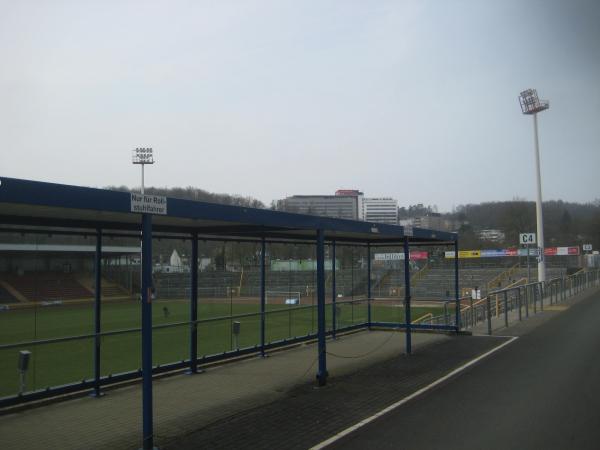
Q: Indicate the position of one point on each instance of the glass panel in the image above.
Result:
(49, 365)
(121, 353)
(170, 344)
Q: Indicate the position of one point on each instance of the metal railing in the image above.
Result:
(525, 299)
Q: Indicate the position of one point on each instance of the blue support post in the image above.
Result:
(333, 290)
(146, 298)
(407, 318)
(263, 257)
(369, 285)
(97, 311)
(456, 287)
(322, 371)
(194, 306)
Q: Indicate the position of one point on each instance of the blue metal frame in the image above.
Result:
(322, 371)
(333, 290)
(146, 299)
(369, 283)
(97, 311)
(194, 307)
(407, 317)
(263, 295)
(31, 203)
(456, 288)
(251, 221)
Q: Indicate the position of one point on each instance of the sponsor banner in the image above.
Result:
(469, 254)
(499, 253)
(493, 253)
(414, 255)
(389, 256)
(532, 251)
(561, 251)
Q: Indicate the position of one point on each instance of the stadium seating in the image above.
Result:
(47, 286)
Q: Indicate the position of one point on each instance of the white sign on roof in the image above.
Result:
(148, 204)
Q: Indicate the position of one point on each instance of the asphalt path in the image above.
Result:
(542, 391)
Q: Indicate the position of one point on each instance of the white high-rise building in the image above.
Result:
(381, 210)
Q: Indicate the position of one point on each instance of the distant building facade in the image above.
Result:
(380, 210)
(345, 204)
(433, 221)
(339, 206)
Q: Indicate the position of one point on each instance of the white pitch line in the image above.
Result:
(415, 394)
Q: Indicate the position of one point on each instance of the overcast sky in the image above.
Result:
(411, 99)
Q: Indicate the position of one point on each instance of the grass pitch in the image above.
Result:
(71, 361)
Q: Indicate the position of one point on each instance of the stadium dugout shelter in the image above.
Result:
(31, 206)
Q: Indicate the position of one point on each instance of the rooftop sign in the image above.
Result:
(148, 204)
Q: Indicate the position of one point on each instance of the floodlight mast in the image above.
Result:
(142, 156)
(531, 105)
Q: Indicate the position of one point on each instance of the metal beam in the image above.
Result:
(146, 299)
(194, 306)
(97, 311)
(407, 318)
(369, 285)
(456, 288)
(333, 290)
(322, 371)
(263, 296)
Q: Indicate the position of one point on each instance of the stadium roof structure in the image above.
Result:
(24, 202)
(31, 206)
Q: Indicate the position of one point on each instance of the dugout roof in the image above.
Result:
(34, 203)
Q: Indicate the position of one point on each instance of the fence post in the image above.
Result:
(519, 303)
(333, 290)
(322, 356)
(534, 296)
(541, 293)
(456, 287)
(526, 293)
(146, 297)
(489, 314)
(369, 285)
(194, 306)
(97, 311)
(263, 295)
(472, 313)
(506, 309)
(407, 318)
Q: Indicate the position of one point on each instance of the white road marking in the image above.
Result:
(415, 394)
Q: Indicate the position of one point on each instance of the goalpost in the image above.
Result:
(283, 297)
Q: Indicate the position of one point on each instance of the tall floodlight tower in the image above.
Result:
(531, 105)
(142, 156)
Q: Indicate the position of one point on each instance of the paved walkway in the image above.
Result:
(539, 392)
(185, 403)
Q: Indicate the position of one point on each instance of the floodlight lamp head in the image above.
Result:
(142, 155)
(530, 102)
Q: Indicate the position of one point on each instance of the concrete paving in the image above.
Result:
(539, 392)
(184, 403)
